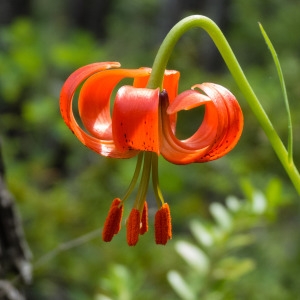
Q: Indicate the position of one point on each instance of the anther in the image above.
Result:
(163, 225)
(112, 223)
(144, 219)
(133, 227)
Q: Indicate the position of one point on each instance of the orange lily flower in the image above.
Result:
(143, 122)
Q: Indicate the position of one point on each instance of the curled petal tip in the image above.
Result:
(218, 133)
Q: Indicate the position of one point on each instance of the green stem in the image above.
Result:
(221, 43)
(143, 187)
(157, 191)
(135, 176)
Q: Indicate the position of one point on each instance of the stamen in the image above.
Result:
(112, 223)
(157, 192)
(133, 227)
(144, 219)
(135, 175)
(144, 183)
(163, 225)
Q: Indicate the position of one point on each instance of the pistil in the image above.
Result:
(137, 222)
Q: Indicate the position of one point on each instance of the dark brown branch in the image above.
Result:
(14, 252)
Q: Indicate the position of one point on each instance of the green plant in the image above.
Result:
(217, 258)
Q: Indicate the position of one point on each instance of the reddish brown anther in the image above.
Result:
(144, 219)
(163, 225)
(112, 223)
(133, 227)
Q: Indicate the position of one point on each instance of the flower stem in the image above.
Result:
(160, 64)
(143, 187)
(157, 191)
(135, 176)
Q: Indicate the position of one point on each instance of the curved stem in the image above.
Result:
(221, 43)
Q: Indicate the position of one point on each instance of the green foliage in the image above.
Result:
(216, 260)
(239, 249)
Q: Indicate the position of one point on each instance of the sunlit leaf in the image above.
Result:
(233, 203)
(193, 255)
(221, 215)
(180, 286)
(201, 233)
(259, 203)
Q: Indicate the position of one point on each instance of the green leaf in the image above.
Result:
(201, 234)
(283, 87)
(221, 215)
(180, 286)
(232, 268)
(233, 203)
(240, 240)
(102, 297)
(193, 255)
(259, 202)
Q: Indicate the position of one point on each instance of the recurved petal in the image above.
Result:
(218, 133)
(71, 84)
(142, 81)
(231, 130)
(170, 83)
(135, 119)
(94, 99)
(103, 147)
(184, 151)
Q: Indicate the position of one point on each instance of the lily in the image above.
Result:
(143, 124)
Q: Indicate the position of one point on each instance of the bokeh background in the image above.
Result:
(235, 220)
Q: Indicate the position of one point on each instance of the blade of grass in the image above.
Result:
(283, 87)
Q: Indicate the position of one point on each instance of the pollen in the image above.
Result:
(133, 227)
(112, 223)
(163, 225)
(144, 219)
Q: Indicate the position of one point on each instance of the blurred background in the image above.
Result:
(235, 220)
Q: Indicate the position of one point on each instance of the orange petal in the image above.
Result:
(163, 225)
(73, 82)
(141, 81)
(135, 119)
(216, 136)
(231, 132)
(104, 147)
(170, 83)
(94, 99)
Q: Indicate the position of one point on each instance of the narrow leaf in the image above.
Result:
(180, 286)
(283, 87)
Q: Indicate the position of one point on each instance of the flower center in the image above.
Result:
(137, 222)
